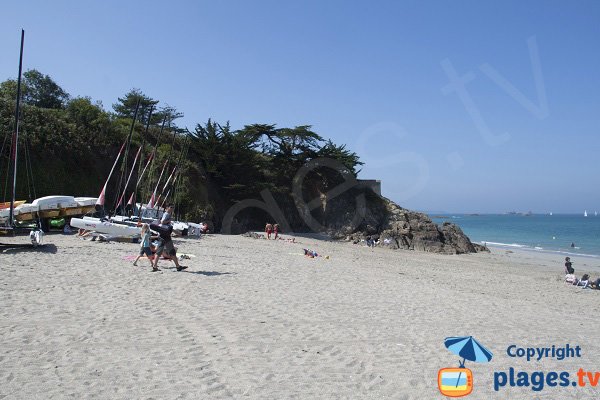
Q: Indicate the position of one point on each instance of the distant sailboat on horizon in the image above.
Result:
(595, 213)
(585, 213)
(550, 212)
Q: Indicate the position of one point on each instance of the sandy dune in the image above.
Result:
(256, 319)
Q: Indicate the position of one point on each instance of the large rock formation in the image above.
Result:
(399, 228)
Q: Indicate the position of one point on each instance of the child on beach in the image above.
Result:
(145, 248)
(276, 230)
(569, 266)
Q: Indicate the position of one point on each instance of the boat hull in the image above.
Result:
(105, 227)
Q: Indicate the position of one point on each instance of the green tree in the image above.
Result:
(125, 107)
(93, 125)
(41, 91)
(230, 158)
(8, 89)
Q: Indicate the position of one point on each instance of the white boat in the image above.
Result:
(105, 227)
(550, 213)
(50, 206)
(585, 213)
(26, 212)
(595, 213)
(87, 204)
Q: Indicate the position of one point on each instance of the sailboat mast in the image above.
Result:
(124, 165)
(132, 199)
(15, 138)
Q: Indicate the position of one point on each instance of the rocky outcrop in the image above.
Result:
(360, 213)
(399, 228)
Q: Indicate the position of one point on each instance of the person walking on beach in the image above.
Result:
(165, 248)
(276, 231)
(269, 230)
(145, 249)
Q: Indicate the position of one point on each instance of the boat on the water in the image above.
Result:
(585, 213)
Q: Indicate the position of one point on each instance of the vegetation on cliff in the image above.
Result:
(68, 145)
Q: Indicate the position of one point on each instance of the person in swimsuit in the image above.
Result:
(276, 231)
(269, 230)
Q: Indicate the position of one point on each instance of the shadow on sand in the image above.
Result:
(27, 248)
(210, 273)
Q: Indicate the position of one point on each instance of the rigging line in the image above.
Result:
(154, 152)
(27, 168)
(120, 202)
(152, 201)
(28, 144)
(101, 198)
(7, 166)
(168, 161)
(177, 168)
(133, 198)
(6, 180)
(126, 156)
(179, 186)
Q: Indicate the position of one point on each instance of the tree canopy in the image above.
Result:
(37, 89)
(73, 142)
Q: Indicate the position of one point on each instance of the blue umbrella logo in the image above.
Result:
(469, 349)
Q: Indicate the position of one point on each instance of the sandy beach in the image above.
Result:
(256, 319)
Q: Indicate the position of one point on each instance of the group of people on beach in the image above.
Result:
(272, 229)
(153, 246)
(584, 281)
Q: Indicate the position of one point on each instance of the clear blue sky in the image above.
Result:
(368, 75)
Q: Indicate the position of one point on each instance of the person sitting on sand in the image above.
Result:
(370, 242)
(204, 228)
(584, 281)
(276, 231)
(165, 247)
(569, 266)
(268, 230)
(310, 253)
(145, 248)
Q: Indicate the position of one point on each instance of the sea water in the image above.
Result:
(547, 233)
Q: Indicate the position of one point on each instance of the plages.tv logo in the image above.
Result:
(458, 382)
